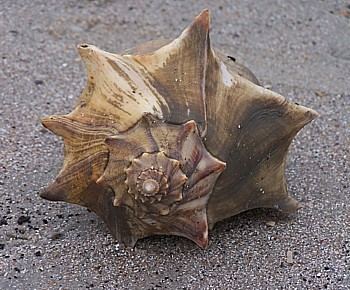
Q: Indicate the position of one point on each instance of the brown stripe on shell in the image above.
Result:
(85, 157)
(116, 90)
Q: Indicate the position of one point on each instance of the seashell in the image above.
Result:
(172, 136)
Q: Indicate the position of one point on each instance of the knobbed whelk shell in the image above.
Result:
(171, 137)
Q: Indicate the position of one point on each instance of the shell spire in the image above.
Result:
(173, 136)
(173, 161)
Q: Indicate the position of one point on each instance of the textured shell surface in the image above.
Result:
(172, 136)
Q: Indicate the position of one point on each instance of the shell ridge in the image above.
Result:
(171, 78)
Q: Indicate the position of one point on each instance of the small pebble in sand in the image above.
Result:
(270, 223)
(289, 257)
